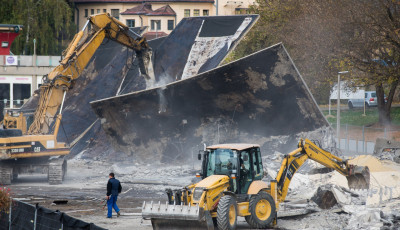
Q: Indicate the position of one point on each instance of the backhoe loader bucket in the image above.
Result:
(167, 216)
(359, 177)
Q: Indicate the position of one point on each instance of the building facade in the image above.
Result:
(159, 16)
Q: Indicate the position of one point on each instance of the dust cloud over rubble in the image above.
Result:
(148, 125)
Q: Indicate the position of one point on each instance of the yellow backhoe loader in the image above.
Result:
(26, 142)
(232, 187)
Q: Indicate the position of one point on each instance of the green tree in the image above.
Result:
(50, 22)
(374, 48)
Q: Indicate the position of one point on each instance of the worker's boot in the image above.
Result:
(118, 213)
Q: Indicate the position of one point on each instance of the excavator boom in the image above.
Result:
(25, 147)
(77, 56)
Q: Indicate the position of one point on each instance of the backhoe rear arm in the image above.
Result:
(294, 160)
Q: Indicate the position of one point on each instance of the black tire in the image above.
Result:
(227, 213)
(366, 105)
(261, 218)
(350, 105)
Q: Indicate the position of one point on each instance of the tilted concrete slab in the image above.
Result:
(260, 99)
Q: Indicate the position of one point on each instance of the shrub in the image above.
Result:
(4, 199)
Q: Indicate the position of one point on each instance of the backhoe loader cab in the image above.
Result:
(240, 162)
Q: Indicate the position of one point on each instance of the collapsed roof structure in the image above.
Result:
(190, 100)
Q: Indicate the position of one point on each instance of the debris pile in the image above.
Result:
(374, 208)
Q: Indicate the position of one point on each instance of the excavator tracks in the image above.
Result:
(57, 171)
(6, 175)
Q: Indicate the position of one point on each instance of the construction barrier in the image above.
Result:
(34, 217)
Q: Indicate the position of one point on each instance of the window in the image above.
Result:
(170, 24)
(5, 94)
(104, 11)
(221, 162)
(20, 93)
(205, 12)
(155, 23)
(4, 44)
(91, 11)
(242, 11)
(187, 13)
(98, 11)
(196, 13)
(86, 12)
(130, 22)
(115, 13)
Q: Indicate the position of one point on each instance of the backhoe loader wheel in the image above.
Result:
(227, 213)
(263, 210)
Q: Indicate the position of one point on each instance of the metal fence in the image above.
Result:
(361, 139)
(34, 217)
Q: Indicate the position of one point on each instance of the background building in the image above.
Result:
(160, 16)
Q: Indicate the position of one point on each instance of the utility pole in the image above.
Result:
(338, 108)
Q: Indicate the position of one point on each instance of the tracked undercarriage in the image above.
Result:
(55, 168)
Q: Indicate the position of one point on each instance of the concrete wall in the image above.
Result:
(14, 80)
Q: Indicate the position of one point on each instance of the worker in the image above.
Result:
(113, 189)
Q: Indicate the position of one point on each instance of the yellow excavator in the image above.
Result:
(26, 142)
(231, 186)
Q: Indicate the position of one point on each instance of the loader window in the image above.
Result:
(258, 167)
(221, 162)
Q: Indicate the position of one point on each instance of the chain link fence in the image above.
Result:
(361, 139)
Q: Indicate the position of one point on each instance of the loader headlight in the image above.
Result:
(197, 193)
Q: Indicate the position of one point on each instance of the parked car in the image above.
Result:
(369, 101)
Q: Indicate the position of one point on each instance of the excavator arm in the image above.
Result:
(357, 177)
(76, 57)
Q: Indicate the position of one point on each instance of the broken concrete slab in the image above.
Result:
(197, 45)
(261, 99)
(329, 195)
(387, 149)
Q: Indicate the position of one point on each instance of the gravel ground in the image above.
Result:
(85, 187)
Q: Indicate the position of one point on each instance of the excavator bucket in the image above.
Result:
(166, 216)
(359, 177)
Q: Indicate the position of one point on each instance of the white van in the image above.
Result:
(369, 101)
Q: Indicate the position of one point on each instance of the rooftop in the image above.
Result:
(235, 146)
(145, 9)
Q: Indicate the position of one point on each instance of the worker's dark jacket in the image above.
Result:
(113, 187)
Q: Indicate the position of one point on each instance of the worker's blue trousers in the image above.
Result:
(112, 203)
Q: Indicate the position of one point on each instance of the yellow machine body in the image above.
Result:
(216, 200)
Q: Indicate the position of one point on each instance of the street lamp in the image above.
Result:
(338, 107)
